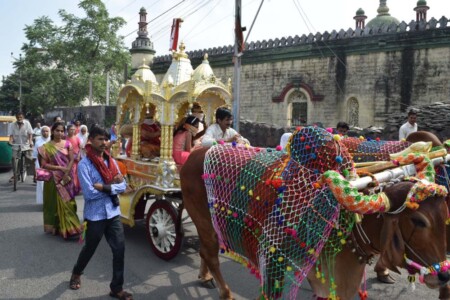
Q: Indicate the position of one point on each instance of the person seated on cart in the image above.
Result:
(150, 137)
(221, 131)
(183, 139)
(197, 112)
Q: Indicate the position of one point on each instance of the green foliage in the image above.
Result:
(60, 60)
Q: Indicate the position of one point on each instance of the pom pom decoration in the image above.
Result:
(336, 137)
(412, 282)
(329, 129)
(222, 142)
(279, 148)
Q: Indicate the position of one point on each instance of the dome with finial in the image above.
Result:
(144, 74)
(421, 3)
(203, 71)
(360, 12)
(383, 17)
(180, 70)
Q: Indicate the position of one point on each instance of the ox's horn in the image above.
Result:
(419, 147)
(422, 190)
(351, 199)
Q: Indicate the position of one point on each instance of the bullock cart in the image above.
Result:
(152, 177)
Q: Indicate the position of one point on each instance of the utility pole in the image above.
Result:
(20, 83)
(107, 88)
(238, 41)
(20, 79)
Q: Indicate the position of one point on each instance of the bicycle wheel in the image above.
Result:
(23, 168)
(15, 172)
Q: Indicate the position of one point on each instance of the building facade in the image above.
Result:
(359, 75)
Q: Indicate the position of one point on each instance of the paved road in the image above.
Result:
(34, 265)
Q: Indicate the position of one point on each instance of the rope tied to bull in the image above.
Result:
(433, 269)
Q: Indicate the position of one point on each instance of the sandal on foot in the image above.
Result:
(122, 295)
(386, 278)
(75, 282)
(207, 283)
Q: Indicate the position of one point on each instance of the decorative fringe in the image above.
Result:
(412, 282)
(83, 234)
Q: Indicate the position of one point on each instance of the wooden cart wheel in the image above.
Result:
(163, 230)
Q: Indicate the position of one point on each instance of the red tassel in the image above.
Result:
(362, 295)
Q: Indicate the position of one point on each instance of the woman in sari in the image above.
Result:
(182, 139)
(60, 208)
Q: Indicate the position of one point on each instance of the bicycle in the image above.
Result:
(19, 166)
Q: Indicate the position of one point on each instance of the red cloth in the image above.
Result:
(107, 172)
(150, 129)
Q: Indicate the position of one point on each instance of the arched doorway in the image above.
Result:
(353, 112)
(297, 110)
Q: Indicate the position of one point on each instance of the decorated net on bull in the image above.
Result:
(267, 211)
(363, 150)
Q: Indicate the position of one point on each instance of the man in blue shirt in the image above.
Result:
(101, 182)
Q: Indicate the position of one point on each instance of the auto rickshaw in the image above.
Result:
(5, 149)
(156, 179)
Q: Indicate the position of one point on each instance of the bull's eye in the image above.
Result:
(419, 222)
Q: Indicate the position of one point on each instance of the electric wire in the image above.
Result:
(308, 23)
(202, 19)
(165, 29)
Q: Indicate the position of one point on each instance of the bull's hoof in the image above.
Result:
(444, 292)
(385, 278)
(208, 283)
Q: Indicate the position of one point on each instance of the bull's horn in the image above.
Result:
(421, 190)
(419, 147)
(351, 199)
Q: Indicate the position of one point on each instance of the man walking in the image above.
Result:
(101, 182)
(408, 127)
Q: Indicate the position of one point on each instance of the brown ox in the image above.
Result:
(414, 233)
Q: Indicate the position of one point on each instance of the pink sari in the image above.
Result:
(76, 146)
(60, 209)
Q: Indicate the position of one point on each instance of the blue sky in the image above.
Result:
(207, 23)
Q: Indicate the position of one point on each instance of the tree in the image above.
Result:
(63, 63)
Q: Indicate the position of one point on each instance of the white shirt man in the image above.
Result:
(222, 131)
(20, 132)
(408, 127)
(37, 130)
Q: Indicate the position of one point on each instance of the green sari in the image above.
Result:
(60, 208)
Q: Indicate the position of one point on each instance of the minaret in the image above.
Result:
(360, 18)
(421, 10)
(142, 47)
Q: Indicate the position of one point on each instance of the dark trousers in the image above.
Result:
(113, 231)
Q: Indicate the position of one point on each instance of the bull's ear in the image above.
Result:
(392, 244)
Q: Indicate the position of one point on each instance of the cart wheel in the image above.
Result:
(163, 233)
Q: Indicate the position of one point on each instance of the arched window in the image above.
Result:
(353, 112)
(297, 112)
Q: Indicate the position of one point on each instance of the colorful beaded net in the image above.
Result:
(267, 210)
(278, 212)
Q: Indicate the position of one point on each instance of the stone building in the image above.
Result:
(361, 75)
